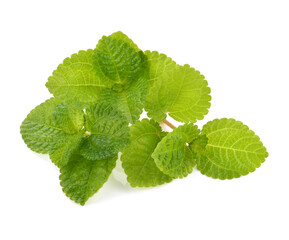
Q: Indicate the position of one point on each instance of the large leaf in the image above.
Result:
(231, 151)
(118, 60)
(81, 178)
(76, 79)
(183, 93)
(136, 159)
(173, 155)
(108, 132)
(47, 126)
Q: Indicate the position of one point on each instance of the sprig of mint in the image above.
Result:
(99, 96)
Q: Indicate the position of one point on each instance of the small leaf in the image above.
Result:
(81, 178)
(118, 60)
(75, 80)
(136, 159)
(47, 125)
(66, 148)
(158, 64)
(182, 93)
(129, 102)
(121, 36)
(68, 118)
(232, 150)
(172, 155)
(109, 132)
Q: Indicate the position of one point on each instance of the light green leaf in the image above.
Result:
(121, 36)
(108, 132)
(136, 159)
(66, 148)
(183, 93)
(129, 102)
(172, 155)
(158, 64)
(68, 117)
(81, 178)
(118, 61)
(47, 125)
(76, 79)
(232, 150)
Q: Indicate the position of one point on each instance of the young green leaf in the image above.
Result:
(46, 126)
(66, 148)
(81, 178)
(108, 132)
(76, 80)
(136, 159)
(182, 93)
(119, 61)
(158, 64)
(121, 36)
(129, 102)
(172, 155)
(232, 150)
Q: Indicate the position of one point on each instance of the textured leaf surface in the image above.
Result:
(232, 150)
(121, 36)
(158, 64)
(118, 60)
(129, 102)
(183, 93)
(109, 132)
(47, 125)
(136, 159)
(172, 155)
(80, 178)
(66, 148)
(76, 80)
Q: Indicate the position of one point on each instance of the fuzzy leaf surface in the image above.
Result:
(81, 178)
(172, 155)
(137, 162)
(183, 93)
(47, 125)
(232, 150)
(109, 132)
(76, 79)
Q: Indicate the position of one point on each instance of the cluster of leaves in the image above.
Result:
(99, 96)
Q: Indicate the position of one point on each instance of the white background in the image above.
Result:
(242, 49)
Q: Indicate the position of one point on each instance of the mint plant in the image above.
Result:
(99, 96)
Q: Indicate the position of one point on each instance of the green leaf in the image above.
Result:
(66, 148)
(121, 36)
(47, 125)
(129, 102)
(158, 64)
(118, 61)
(172, 155)
(68, 117)
(136, 159)
(182, 93)
(81, 178)
(232, 150)
(108, 132)
(76, 80)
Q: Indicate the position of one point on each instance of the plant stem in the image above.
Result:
(166, 122)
